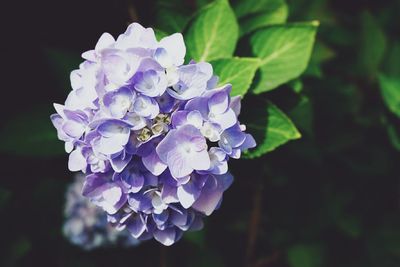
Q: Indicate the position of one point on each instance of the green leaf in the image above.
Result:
(31, 134)
(302, 115)
(372, 46)
(213, 33)
(201, 3)
(172, 16)
(320, 54)
(160, 34)
(271, 129)
(284, 50)
(296, 85)
(390, 91)
(237, 71)
(392, 64)
(394, 136)
(305, 256)
(62, 63)
(254, 14)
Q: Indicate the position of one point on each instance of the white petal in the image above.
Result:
(76, 161)
(185, 198)
(105, 41)
(175, 47)
(200, 161)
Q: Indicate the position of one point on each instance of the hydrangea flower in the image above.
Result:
(153, 135)
(86, 224)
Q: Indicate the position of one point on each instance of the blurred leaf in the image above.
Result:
(237, 71)
(19, 248)
(271, 128)
(62, 63)
(392, 64)
(249, 7)
(314, 9)
(207, 258)
(320, 54)
(373, 44)
(5, 196)
(296, 85)
(390, 91)
(302, 115)
(350, 226)
(254, 14)
(285, 51)
(160, 34)
(384, 244)
(213, 34)
(172, 16)
(196, 237)
(30, 134)
(305, 256)
(202, 3)
(394, 136)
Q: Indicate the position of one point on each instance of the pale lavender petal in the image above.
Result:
(165, 237)
(235, 104)
(119, 163)
(187, 194)
(212, 193)
(225, 120)
(178, 164)
(76, 161)
(219, 102)
(154, 164)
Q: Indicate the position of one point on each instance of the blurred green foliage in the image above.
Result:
(330, 198)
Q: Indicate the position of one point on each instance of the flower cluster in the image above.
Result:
(152, 134)
(86, 224)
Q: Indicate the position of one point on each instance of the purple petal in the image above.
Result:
(92, 185)
(178, 164)
(165, 237)
(166, 103)
(136, 226)
(187, 194)
(211, 194)
(154, 164)
(225, 120)
(169, 194)
(119, 163)
(219, 102)
(236, 104)
(119, 102)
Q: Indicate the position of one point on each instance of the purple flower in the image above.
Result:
(153, 135)
(219, 161)
(151, 83)
(192, 81)
(104, 193)
(86, 224)
(214, 105)
(184, 150)
(113, 136)
(119, 102)
(234, 140)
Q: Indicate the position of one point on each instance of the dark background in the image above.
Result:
(330, 199)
